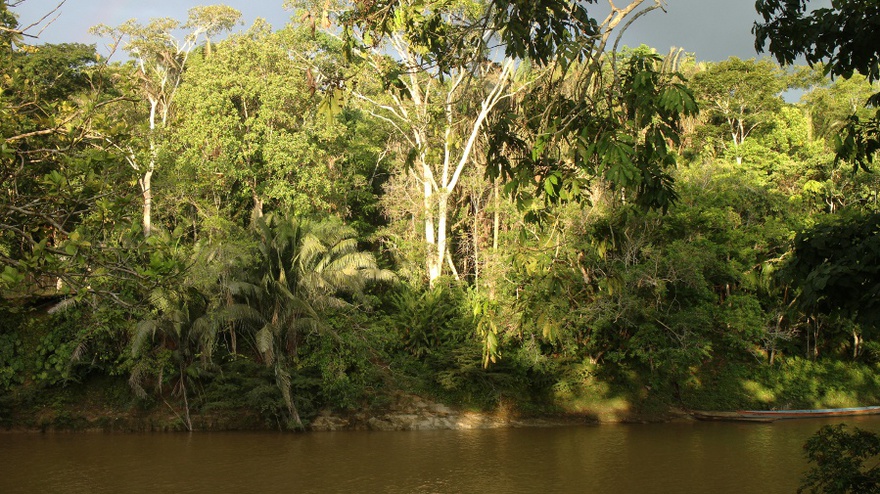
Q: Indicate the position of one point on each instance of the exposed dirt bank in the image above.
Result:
(407, 412)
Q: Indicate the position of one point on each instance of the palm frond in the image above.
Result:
(336, 303)
(62, 306)
(343, 247)
(136, 380)
(81, 348)
(310, 250)
(239, 313)
(143, 330)
(315, 284)
(354, 261)
(244, 289)
(266, 343)
(202, 325)
(376, 275)
(297, 306)
(162, 299)
(204, 331)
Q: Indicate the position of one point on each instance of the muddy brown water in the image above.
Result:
(687, 457)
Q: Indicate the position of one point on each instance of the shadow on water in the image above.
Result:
(675, 457)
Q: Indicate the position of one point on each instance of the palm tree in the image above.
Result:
(183, 326)
(304, 269)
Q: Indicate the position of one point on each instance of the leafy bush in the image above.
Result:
(53, 358)
(243, 384)
(431, 321)
(838, 457)
(793, 382)
(344, 363)
(12, 361)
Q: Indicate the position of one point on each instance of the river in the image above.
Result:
(687, 457)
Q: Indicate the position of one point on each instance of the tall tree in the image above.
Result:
(56, 171)
(448, 78)
(831, 106)
(180, 326)
(304, 270)
(739, 96)
(842, 37)
(251, 121)
(160, 60)
(439, 106)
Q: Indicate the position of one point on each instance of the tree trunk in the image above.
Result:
(433, 254)
(147, 191)
(813, 325)
(442, 212)
(282, 378)
(476, 242)
(857, 344)
(257, 212)
(147, 181)
(496, 220)
(187, 420)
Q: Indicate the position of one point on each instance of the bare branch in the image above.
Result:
(23, 31)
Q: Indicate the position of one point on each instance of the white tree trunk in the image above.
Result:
(257, 211)
(476, 242)
(433, 262)
(147, 192)
(413, 119)
(442, 202)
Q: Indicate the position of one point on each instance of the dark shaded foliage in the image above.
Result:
(838, 457)
(836, 264)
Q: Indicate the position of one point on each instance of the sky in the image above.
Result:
(711, 29)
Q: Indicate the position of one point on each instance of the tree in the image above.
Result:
(842, 37)
(831, 263)
(440, 119)
(250, 120)
(838, 457)
(211, 20)
(304, 269)
(738, 96)
(181, 331)
(542, 31)
(57, 172)
(160, 60)
(241, 110)
(832, 105)
(611, 127)
(47, 93)
(447, 88)
(9, 31)
(836, 265)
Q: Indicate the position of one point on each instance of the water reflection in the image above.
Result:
(681, 457)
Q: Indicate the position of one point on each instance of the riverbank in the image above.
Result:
(233, 401)
(410, 414)
(100, 408)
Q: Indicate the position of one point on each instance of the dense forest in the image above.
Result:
(490, 204)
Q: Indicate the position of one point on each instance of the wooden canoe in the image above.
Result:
(727, 417)
(773, 415)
